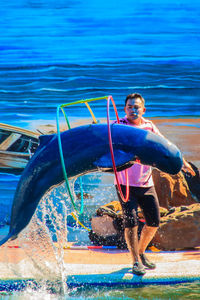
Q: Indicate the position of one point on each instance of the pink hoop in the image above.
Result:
(111, 150)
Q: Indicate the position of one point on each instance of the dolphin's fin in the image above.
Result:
(121, 158)
(5, 239)
(44, 139)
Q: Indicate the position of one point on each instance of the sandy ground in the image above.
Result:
(123, 257)
(14, 254)
(113, 265)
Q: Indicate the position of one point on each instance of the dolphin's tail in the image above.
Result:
(6, 238)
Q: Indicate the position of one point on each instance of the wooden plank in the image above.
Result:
(19, 130)
(11, 139)
(10, 160)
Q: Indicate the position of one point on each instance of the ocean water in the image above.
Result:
(54, 52)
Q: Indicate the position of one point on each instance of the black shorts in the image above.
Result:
(146, 199)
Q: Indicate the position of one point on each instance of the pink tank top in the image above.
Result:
(139, 175)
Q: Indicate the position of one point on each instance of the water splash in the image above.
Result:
(40, 256)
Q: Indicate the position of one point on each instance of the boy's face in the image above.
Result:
(134, 110)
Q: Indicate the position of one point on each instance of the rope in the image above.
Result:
(81, 224)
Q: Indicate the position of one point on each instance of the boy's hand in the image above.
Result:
(187, 168)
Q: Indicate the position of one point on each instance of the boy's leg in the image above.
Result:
(131, 237)
(146, 236)
(131, 229)
(150, 207)
(151, 211)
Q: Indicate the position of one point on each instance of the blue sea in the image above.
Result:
(55, 51)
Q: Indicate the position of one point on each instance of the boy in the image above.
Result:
(142, 192)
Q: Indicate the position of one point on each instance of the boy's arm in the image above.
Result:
(187, 168)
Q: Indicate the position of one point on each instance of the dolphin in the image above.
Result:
(86, 149)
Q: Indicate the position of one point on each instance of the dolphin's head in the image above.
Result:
(151, 149)
(163, 154)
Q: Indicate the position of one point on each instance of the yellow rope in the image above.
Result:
(81, 224)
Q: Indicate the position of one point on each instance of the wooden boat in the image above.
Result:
(17, 145)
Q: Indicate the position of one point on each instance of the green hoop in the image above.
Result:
(60, 144)
(63, 163)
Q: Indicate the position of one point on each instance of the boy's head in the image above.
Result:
(134, 108)
(135, 96)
